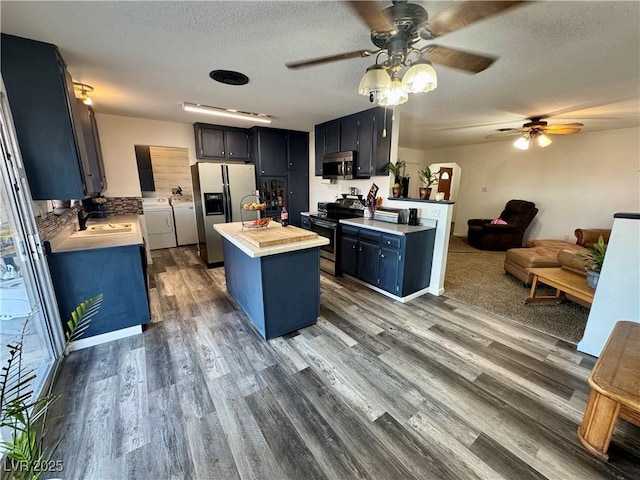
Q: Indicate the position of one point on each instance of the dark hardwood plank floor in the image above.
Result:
(432, 389)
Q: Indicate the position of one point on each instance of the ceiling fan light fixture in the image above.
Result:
(523, 142)
(375, 80)
(420, 78)
(543, 140)
(396, 95)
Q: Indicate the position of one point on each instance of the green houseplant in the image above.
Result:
(22, 415)
(399, 179)
(593, 260)
(428, 178)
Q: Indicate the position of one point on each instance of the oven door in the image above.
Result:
(327, 229)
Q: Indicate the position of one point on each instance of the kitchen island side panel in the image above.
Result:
(244, 282)
(279, 293)
(291, 282)
(419, 261)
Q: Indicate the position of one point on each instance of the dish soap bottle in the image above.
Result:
(284, 217)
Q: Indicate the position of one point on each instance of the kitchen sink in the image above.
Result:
(105, 229)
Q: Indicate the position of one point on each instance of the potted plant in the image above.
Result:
(22, 416)
(593, 260)
(399, 180)
(428, 178)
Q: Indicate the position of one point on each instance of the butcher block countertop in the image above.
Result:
(269, 237)
(275, 238)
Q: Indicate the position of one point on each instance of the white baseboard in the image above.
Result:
(104, 338)
(405, 299)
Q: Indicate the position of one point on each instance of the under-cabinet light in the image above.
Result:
(221, 112)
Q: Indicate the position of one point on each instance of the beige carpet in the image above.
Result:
(477, 277)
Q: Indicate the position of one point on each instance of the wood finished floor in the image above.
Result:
(433, 389)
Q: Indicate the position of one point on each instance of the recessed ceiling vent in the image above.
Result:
(229, 77)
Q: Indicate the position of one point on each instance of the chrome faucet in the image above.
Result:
(82, 220)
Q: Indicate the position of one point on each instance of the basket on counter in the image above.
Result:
(259, 206)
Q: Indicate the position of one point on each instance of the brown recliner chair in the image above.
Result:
(517, 214)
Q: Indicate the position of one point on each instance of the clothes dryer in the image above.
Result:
(158, 216)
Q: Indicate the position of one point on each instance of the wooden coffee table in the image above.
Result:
(564, 281)
(615, 389)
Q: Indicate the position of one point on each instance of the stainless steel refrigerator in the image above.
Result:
(218, 189)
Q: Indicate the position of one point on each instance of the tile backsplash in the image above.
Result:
(124, 206)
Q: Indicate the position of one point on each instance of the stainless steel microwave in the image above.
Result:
(340, 165)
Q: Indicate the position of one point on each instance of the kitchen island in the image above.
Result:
(277, 286)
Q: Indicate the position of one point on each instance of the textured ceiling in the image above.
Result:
(575, 61)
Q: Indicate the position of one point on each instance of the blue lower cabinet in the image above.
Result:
(115, 272)
(388, 271)
(398, 264)
(349, 252)
(368, 261)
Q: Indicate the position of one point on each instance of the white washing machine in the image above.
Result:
(184, 215)
(158, 215)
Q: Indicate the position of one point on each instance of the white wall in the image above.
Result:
(119, 134)
(579, 181)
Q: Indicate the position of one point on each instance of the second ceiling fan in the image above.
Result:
(534, 132)
(395, 30)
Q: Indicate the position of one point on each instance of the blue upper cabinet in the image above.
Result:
(215, 142)
(271, 158)
(368, 133)
(48, 121)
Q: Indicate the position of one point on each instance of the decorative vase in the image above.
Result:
(397, 191)
(425, 193)
(592, 278)
(405, 187)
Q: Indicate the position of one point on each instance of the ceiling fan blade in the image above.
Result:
(565, 125)
(375, 17)
(505, 133)
(511, 130)
(561, 130)
(450, 57)
(331, 58)
(463, 14)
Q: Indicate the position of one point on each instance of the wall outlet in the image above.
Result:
(484, 189)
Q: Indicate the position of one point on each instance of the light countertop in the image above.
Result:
(385, 227)
(64, 242)
(230, 232)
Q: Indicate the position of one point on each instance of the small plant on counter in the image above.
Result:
(427, 177)
(24, 416)
(397, 169)
(399, 179)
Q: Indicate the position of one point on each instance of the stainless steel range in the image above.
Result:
(325, 223)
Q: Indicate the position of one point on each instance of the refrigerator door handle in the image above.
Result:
(227, 192)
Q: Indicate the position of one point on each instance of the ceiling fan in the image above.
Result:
(395, 30)
(535, 132)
